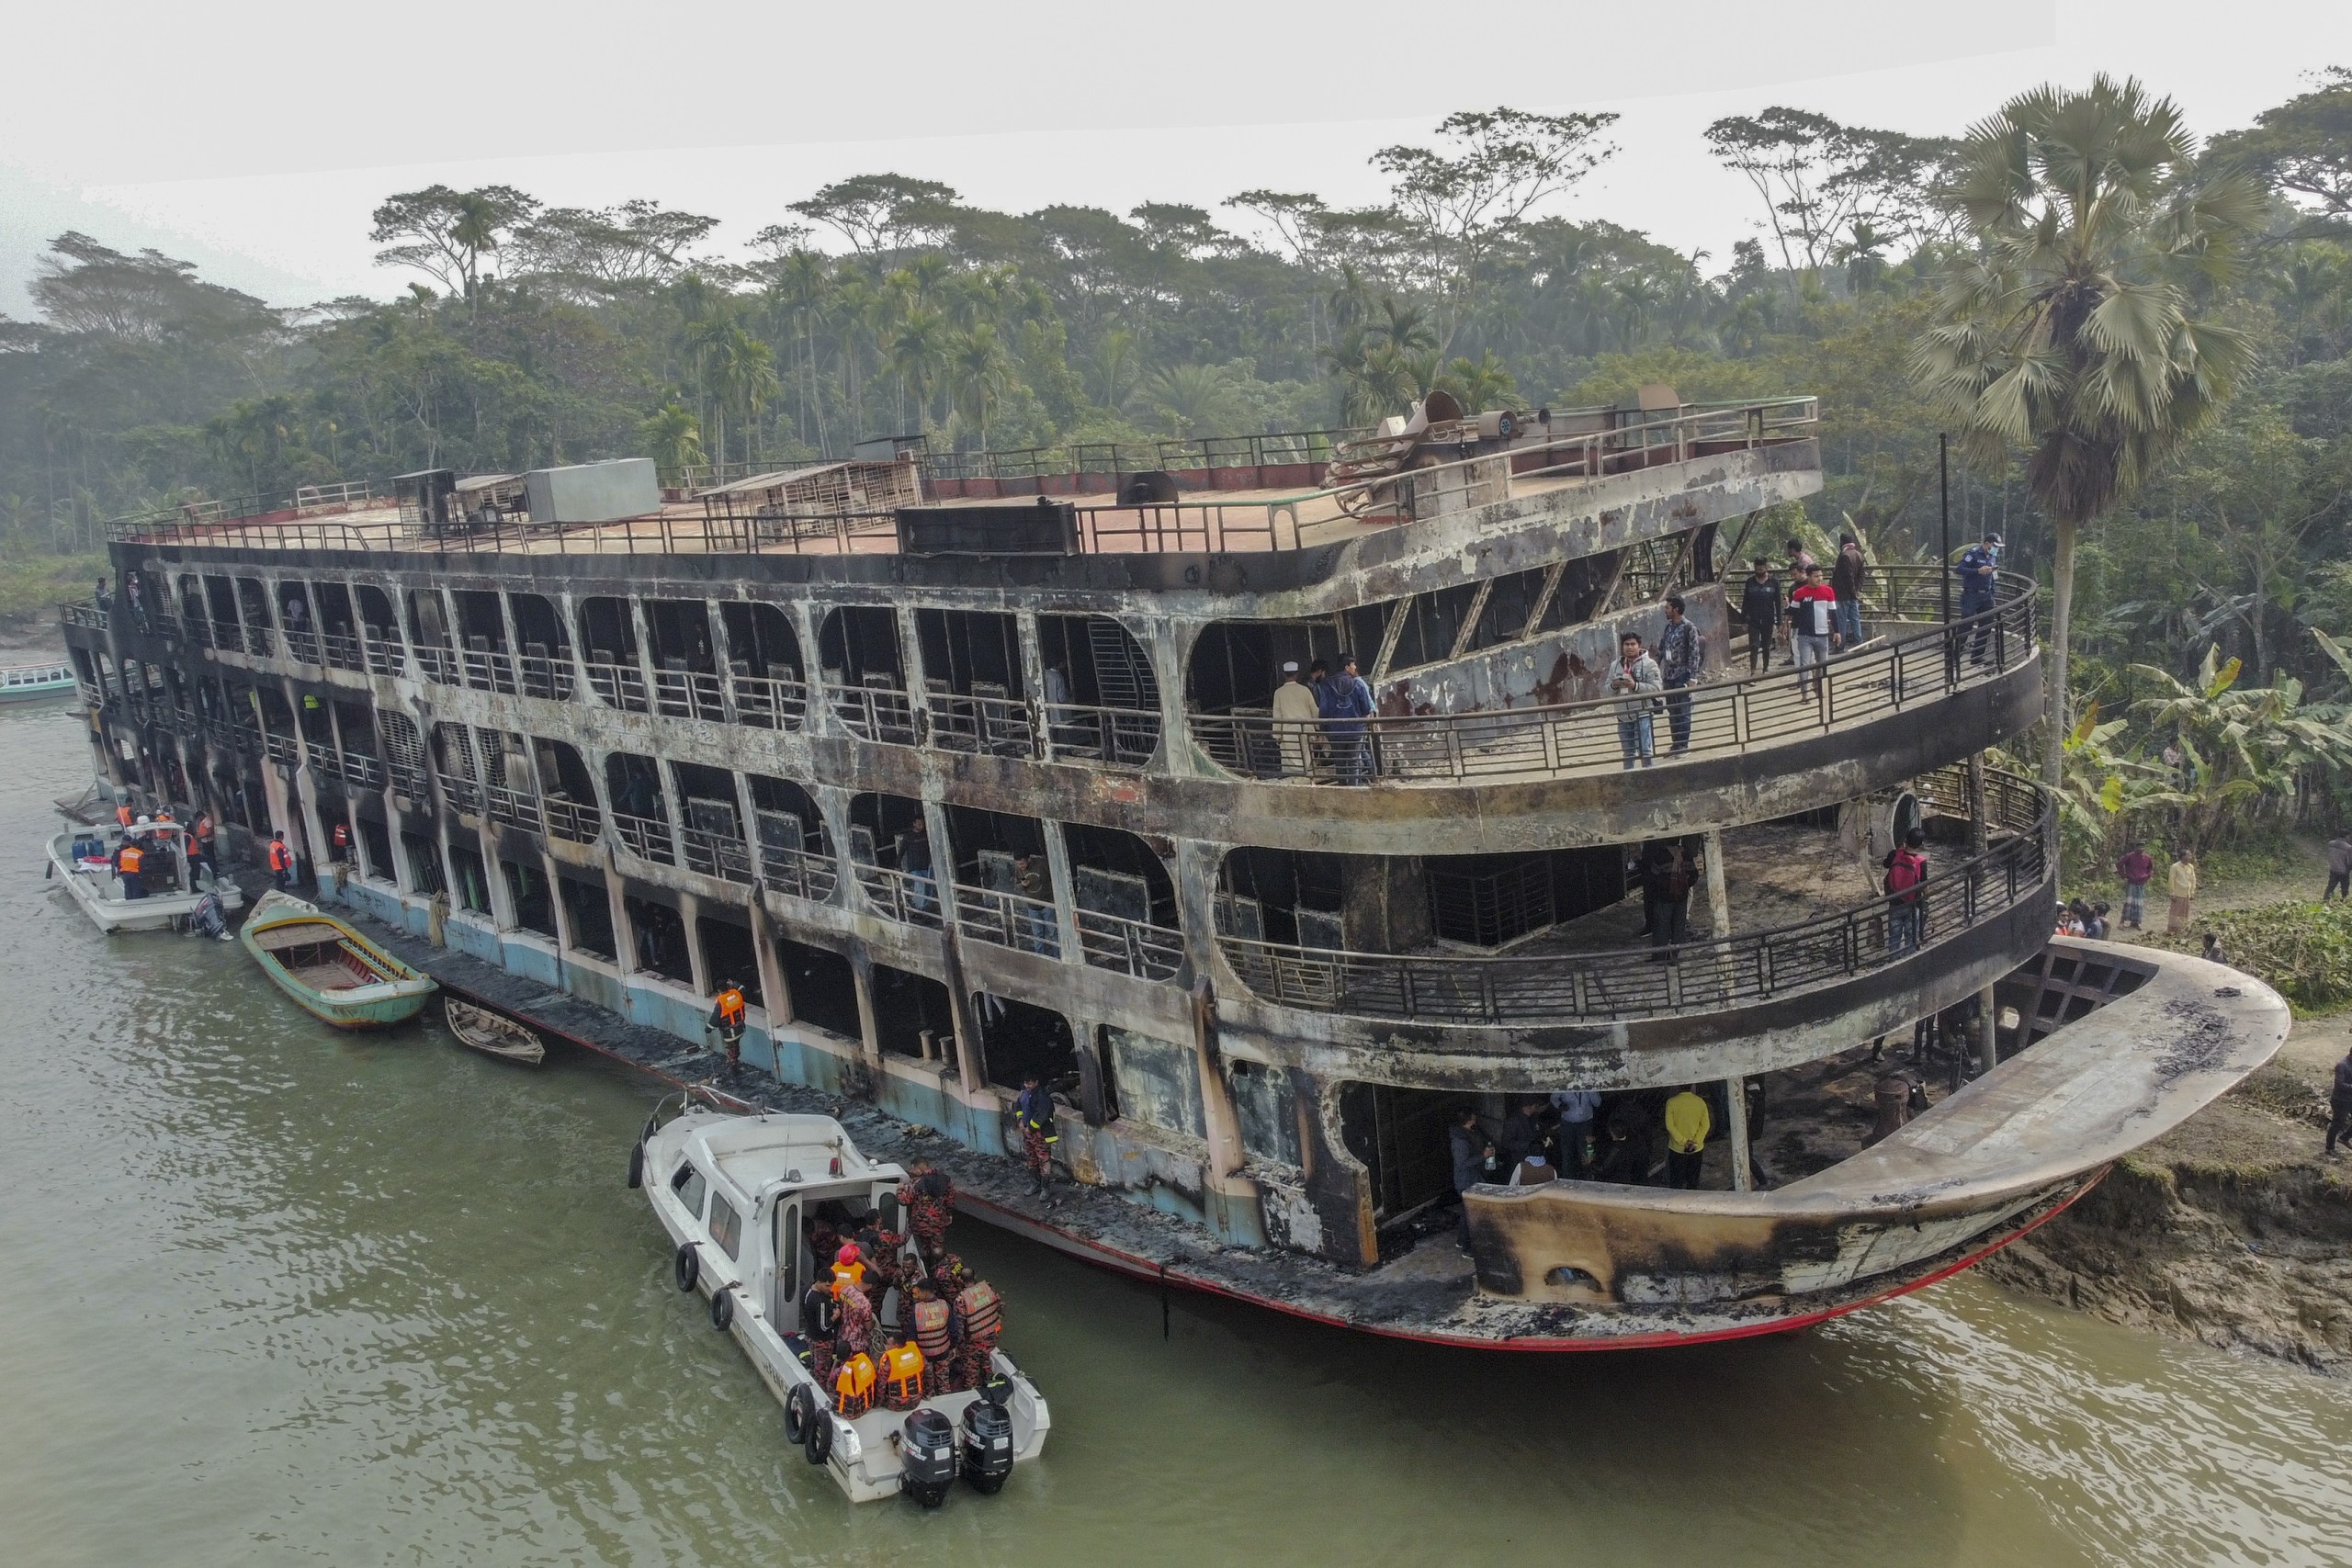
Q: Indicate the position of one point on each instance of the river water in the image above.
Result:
(273, 1295)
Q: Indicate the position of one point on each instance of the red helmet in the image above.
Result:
(848, 1254)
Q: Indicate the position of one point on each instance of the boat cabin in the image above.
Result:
(756, 1187)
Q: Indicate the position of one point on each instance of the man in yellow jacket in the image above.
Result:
(1688, 1123)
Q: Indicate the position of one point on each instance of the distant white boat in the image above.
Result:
(24, 682)
(83, 858)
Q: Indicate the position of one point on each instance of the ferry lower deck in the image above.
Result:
(2109, 1046)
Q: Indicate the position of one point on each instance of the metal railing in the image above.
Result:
(437, 664)
(1131, 947)
(256, 641)
(1109, 458)
(1008, 919)
(722, 855)
(488, 669)
(688, 693)
(302, 647)
(619, 686)
(342, 653)
(463, 794)
(383, 653)
(769, 702)
(547, 675)
(646, 837)
(281, 749)
(1886, 675)
(83, 613)
(1533, 988)
(363, 771)
(997, 727)
(873, 713)
(900, 895)
(800, 873)
(517, 807)
(1126, 738)
(576, 820)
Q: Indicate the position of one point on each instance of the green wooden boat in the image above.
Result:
(331, 969)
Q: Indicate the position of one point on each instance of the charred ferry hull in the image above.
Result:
(984, 783)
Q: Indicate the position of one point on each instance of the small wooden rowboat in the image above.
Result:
(493, 1033)
(331, 969)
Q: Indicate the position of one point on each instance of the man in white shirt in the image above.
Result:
(1295, 713)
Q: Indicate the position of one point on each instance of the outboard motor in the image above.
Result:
(927, 1453)
(988, 1445)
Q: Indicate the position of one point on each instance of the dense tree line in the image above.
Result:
(884, 304)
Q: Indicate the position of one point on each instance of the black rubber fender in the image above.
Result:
(635, 1166)
(723, 1309)
(800, 1409)
(818, 1441)
(689, 1266)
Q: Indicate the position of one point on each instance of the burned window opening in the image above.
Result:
(588, 911)
(729, 955)
(527, 888)
(424, 864)
(824, 987)
(660, 935)
(1020, 1038)
(905, 1008)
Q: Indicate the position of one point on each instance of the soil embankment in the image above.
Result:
(2233, 1230)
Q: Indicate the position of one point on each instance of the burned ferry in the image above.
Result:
(968, 769)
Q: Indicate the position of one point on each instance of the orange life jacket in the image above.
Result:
(730, 1009)
(280, 857)
(204, 829)
(122, 814)
(902, 1377)
(130, 859)
(931, 1329)
(853, 1385)
(848, 1275)
(983, 1313)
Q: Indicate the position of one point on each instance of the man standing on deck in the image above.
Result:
(1978, 564)
(1347, 705)
(1845, 581)
(1296, 717)
(2339, 868)
(1471, 1152)
(1812, 625)
(2135, 866)
(1682, 652)
(1688, 1123)
(1033, 1113)
(1637, 675)
(1760, 611)
(281, 860)
(1577, 1107)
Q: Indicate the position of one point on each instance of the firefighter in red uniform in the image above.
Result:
(928, 1317)
(727, 1017)
(975, 1324)
(928, 1197)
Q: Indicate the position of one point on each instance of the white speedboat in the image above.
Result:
(171, 886)
(733, 1191)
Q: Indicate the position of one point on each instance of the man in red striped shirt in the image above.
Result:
(1813, 624)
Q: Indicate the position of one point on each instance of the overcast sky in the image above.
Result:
(257, 137)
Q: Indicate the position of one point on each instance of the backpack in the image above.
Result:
(1905, 872)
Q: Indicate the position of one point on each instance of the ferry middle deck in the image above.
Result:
(966, 770)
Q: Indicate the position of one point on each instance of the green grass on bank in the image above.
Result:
(31, 588)
(2302, 950)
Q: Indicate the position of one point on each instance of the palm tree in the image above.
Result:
(977, 370)
(918, 352)
(2068, 332)
(672, 437)
(1192, 397)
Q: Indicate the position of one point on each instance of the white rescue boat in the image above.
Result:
(171, 886)
(732, 1191)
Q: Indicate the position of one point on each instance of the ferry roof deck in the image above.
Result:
(1218, 507)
